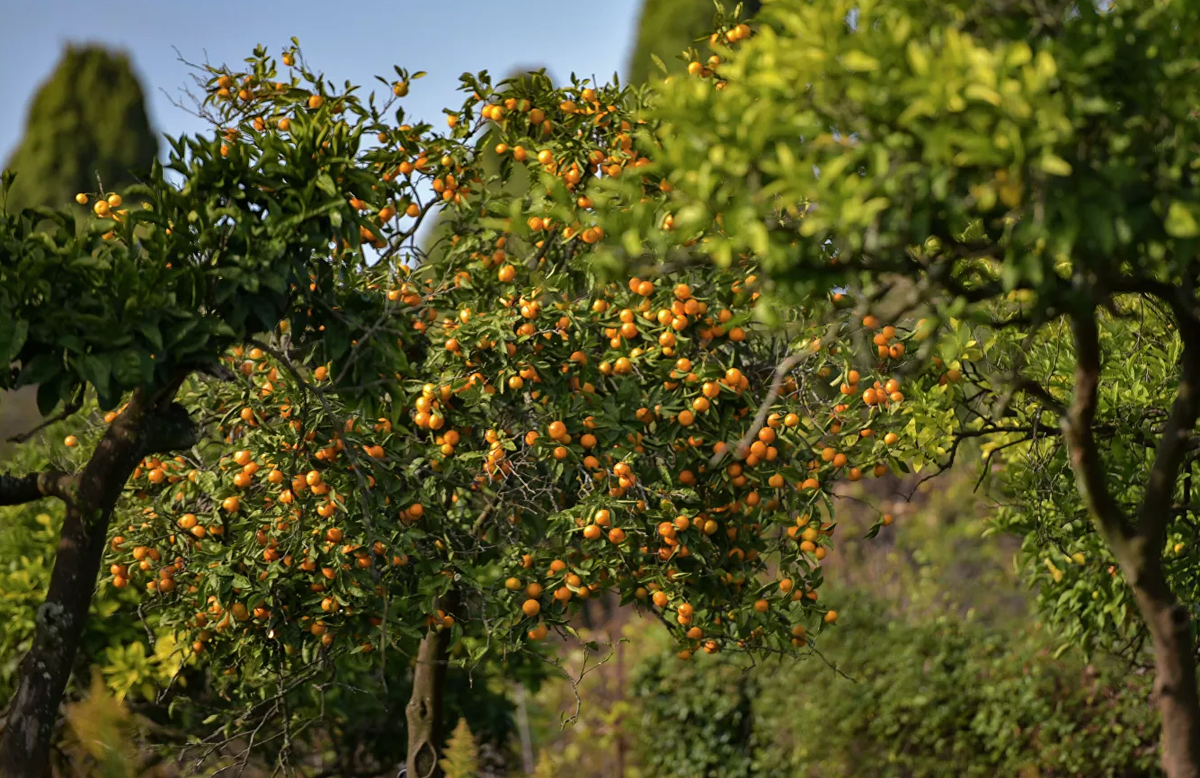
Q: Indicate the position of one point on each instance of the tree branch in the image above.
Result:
(772, 394)
(170, 429)
(1090, 478)
(1176, 438)
(67, 411)
(18, 490)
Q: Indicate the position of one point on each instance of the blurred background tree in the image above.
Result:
(668, 27)
(87, 123)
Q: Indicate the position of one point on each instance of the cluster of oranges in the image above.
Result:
(111, 206)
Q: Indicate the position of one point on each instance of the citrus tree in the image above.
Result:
(129, 310)
(1025, 178)
(323, 444)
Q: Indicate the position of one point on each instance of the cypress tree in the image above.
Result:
(668, 27)
(87, 120)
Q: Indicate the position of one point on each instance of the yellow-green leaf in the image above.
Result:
(859, 61)
(1055, 165)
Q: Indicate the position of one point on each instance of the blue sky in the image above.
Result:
(347, 40)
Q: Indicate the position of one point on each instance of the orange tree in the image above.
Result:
(380, 447)
(1026, 176)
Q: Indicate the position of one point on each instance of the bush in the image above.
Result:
(947, 697)
(696, 718)
(931, 699)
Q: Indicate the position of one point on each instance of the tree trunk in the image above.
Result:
(90, 498)
(29, 731)
(424, 709)
(1175, 690)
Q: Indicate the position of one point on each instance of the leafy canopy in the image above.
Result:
(489, 424)
(1023, 179)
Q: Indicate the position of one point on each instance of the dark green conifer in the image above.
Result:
(87, 122)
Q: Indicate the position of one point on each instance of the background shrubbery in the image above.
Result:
(938, 668)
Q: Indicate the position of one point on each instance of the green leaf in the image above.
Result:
(127, 368)
(51, 392)
(859, 61)
(1180, 222)
(152, 333)
(1055, 165)
(325, 183)
(96, 372)
(40, 369)
(12, 338)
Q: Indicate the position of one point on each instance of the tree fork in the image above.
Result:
(424, 709)
(148, 425)
(1139, 547)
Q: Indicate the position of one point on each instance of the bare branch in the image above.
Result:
(68, 409)
(760, 418)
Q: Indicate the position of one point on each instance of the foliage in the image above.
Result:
(924, 697)
(667, 28)
(696, 721)
(514, 425)
(921, 128)
(935, 584)
(1022, 184)
(497, 425)
(944, 697)
(103, 733)
(114, 637)
(1082, 590)
(87, 123)
(461, 758)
